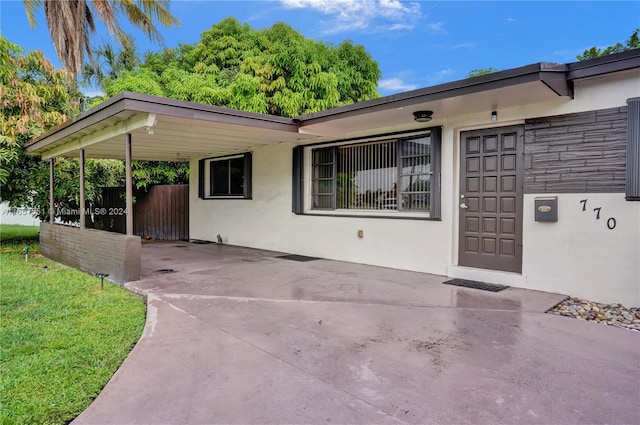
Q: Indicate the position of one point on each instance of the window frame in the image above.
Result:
(632, 176)
(303, 185)
(205, 182)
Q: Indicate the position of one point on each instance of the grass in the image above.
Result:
(61, 336)
(17, 233)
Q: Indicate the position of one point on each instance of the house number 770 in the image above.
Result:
(611, 221)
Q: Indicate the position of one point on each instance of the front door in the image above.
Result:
(491, 182)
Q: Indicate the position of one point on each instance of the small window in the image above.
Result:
(382, 176)
(227, 177)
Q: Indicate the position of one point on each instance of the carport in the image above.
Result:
(133, 126)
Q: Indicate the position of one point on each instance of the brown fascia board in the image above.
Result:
(96, 114)
(604, 65)
(136, 102)
(551, 74)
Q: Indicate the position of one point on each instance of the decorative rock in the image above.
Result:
(607, 314)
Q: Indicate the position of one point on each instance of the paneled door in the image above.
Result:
(490, 203)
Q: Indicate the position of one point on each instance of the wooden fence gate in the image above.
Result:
(162, 212)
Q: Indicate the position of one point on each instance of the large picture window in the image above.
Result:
(226, 177)
(381, 176)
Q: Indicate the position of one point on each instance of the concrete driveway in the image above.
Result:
(236, 335)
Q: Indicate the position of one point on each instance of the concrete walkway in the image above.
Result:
(237, 335)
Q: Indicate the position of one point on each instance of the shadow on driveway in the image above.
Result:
(237, 335)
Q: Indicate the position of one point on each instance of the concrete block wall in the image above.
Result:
(92, 251)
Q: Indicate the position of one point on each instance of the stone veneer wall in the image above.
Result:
(576, 153)
(92, 251)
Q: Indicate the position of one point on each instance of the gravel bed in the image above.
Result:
(606, 314)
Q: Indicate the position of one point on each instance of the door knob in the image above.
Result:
(463, 205)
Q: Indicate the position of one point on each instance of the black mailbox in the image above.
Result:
(546, 209)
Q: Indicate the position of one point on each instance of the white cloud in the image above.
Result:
(464, 46)
(370, 15)
(440, 76)
(512, 20)
(435, 26)
(395, 84)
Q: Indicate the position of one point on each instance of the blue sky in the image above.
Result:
(416, 43)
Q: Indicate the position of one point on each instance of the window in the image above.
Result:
(227, 177)
(400, 175)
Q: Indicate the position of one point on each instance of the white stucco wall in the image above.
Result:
(577, 256)
(22, 216)
(267, 222)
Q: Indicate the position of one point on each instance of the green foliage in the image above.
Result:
(147, 173)
(110, 63)
(632, 43)
(35, 97)
(143, 81)
(479, 72)
(29, 183)
(62, 337)
(275, 70)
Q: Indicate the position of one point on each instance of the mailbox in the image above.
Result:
(546, 209)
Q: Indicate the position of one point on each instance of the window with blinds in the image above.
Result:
(374, 176)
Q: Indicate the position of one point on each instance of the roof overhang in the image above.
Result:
(162, 130)
(538, 83)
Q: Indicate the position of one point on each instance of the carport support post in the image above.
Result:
(52, 212)
(81, 207)
(129, 185)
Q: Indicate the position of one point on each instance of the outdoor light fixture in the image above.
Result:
(101, 276)
(494, 116)
(422, 116)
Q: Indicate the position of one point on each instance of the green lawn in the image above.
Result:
(10, 233)
(61, 337)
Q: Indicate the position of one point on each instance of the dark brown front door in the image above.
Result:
(490, 204)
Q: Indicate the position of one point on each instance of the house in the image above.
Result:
(527, 177)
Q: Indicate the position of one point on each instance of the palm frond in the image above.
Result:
(30, 7)
(71, 24)
(159, 10)
(138, 18)
(106, 14)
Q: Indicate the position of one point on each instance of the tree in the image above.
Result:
(479, 72)
(36, 97)
(110, 63)
(147, 173)
(276, 70)
(71, 23)
(632, 43)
